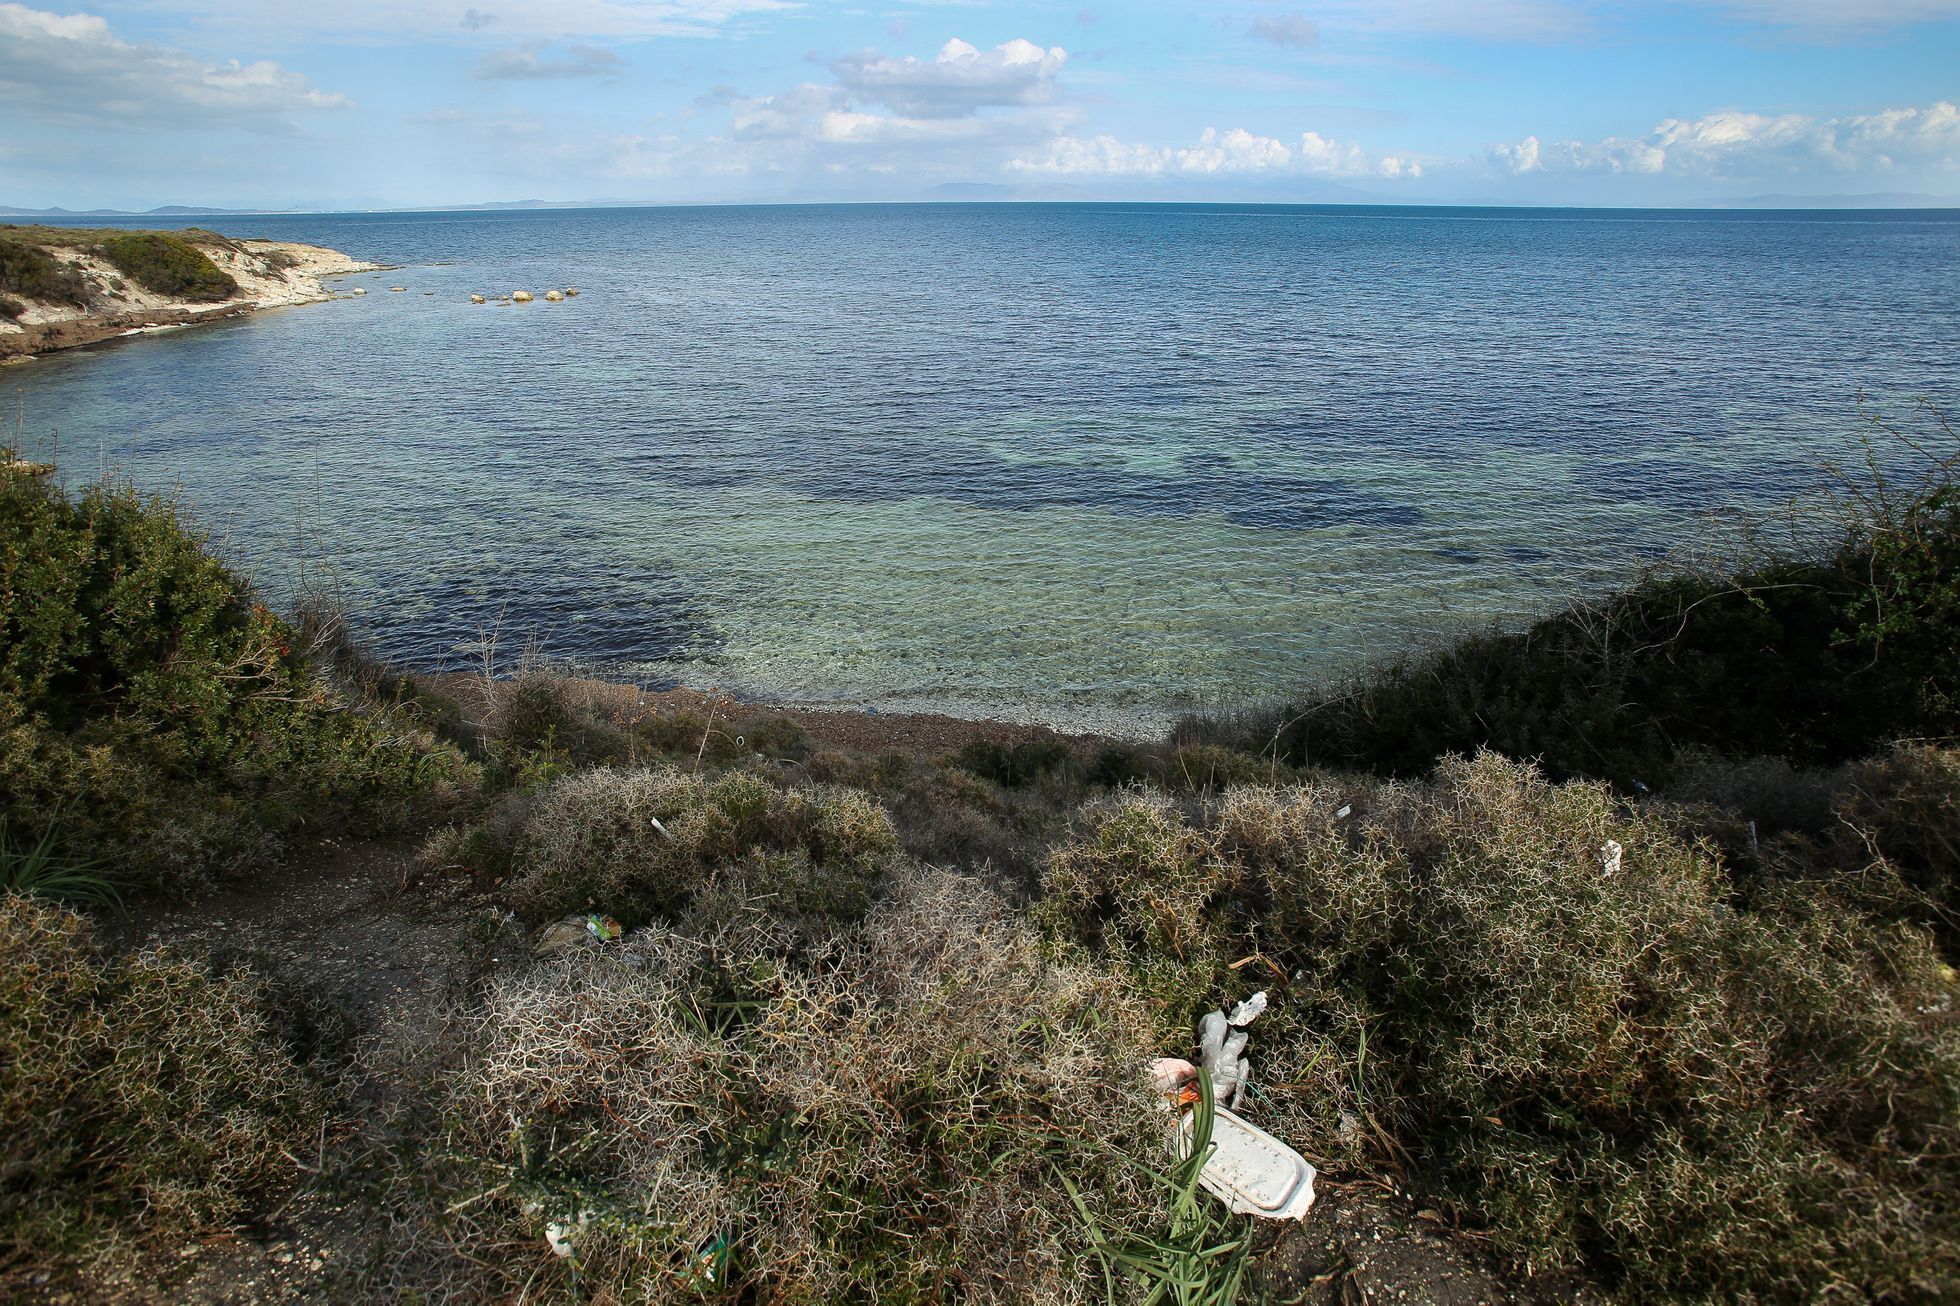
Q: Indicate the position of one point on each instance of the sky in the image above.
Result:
(353, 104)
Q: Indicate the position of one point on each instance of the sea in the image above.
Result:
(1093, 465)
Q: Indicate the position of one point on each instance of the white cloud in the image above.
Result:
(366, 20)
(1235, 151)
(1734, 144)
(1825, 16)
(74, 68)
(958, 81)
(1558, 20)
(532, 60)
(1290, 31)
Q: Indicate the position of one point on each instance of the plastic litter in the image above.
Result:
(575, 932)
(1609, 857)
(711, 1261)
(1222, 1052)
(1248, 1169)
(558, 1234)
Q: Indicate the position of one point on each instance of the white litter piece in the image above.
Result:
(1249, 1170)
(1249, 1010)
(1222, 1052)
(1609, 857)
(559, 1233)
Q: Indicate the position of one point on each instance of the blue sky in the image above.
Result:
(394, 103)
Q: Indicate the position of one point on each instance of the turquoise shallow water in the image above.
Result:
(1093, 464)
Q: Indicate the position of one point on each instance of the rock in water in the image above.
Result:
(522, 297)
(553, 296)
(476, 299)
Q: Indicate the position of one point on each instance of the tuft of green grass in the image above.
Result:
(45, 870)
(1202, 1255)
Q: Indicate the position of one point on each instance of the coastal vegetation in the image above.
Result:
(1623, 946)
(159, 722)
(1819, 653)
(28, 271)
(172, 264)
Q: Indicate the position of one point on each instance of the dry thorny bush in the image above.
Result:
(143, 1094)
(1614, 1066)
(642, 843)
(872, 1115)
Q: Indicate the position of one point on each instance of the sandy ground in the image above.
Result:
(131, 310)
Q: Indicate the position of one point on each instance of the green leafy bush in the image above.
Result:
(1611, 1066)
(161, 712)
(1019, 764)
(142, 1093)
(31, 272)
(170, 265)
(593, 845)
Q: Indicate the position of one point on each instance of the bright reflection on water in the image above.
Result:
(1082, 463)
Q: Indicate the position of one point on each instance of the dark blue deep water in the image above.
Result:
(1083, 463)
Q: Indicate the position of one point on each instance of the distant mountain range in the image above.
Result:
(167, 211)
(1882, 200)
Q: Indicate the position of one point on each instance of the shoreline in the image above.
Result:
(269, 273)
(856, 730)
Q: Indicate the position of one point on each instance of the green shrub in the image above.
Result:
(1020, 764)
(1813, 660)
(31, 272)
(163, 716)
(592, 844)
(166, 264)
(882, 1121)
(1616, 1068)
(139, 1094)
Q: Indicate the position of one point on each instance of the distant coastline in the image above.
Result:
(80, 294)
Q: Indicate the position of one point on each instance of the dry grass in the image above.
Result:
(875, 1117)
